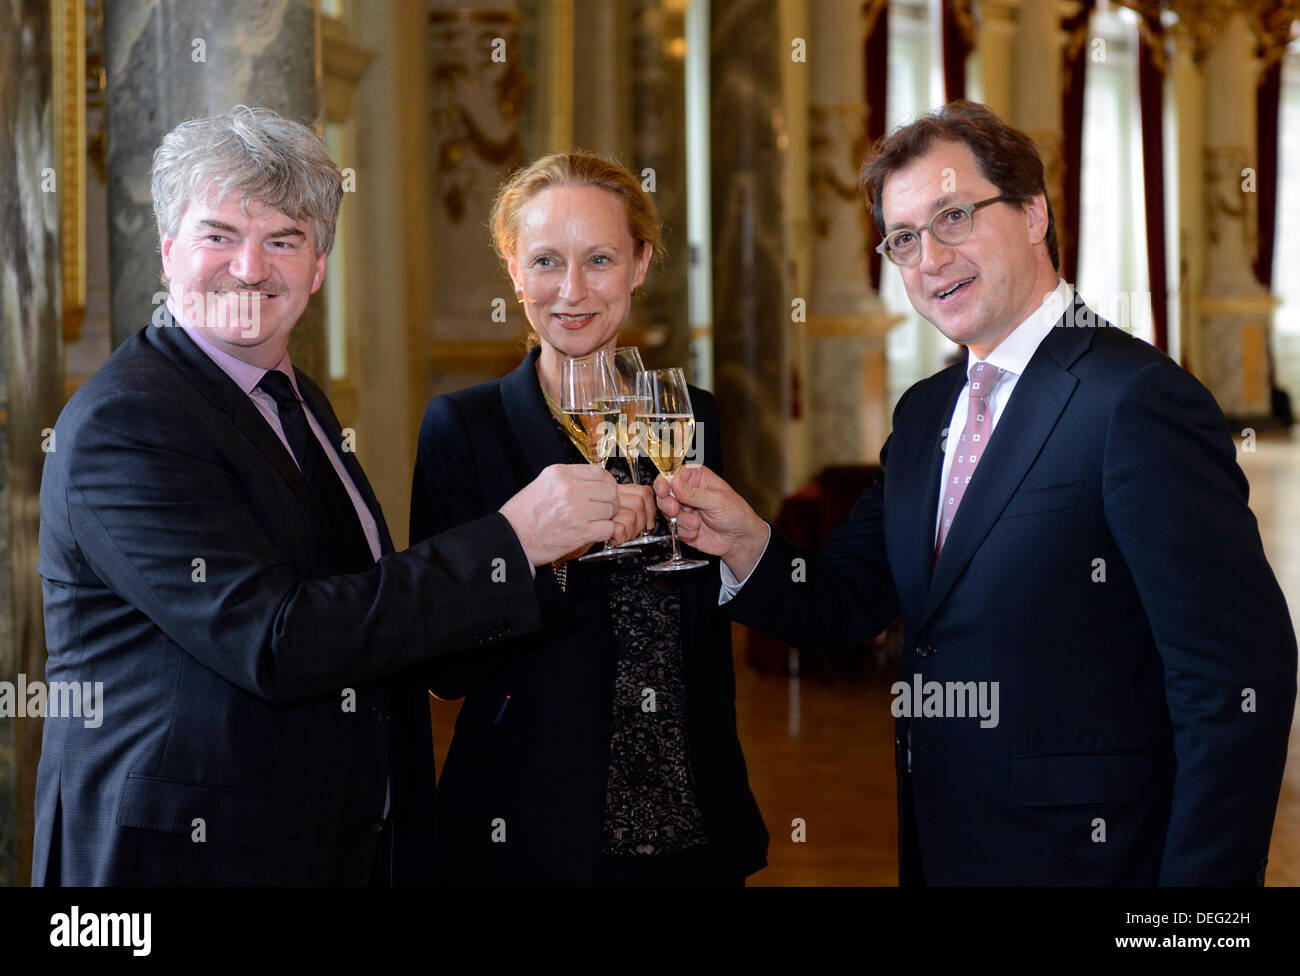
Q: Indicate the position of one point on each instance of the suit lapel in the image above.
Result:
(915, 496)
(221, 391)
(320, 407)
(1028, 419)
(541, 444)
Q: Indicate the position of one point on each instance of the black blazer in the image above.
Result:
(542, 767)
(231, 750)
(1105, 570)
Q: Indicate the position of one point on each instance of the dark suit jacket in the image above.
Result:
(543, 766)
(227, 715)
(1122, 701)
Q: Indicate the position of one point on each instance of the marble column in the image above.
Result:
(657, 137)
(479, 86)
(847, 323)
(172, 60)
(30, 389)
(599, 104)
(997, 36)
(1037, 96)
(751, 297)
(1189, 96)
(626, 100)
(1235, 309)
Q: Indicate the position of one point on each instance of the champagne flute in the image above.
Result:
(668, 426)
(626, 363)
(589, 412)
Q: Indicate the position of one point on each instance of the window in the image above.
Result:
(1112, 220)
(914, 348)
(1286, 248)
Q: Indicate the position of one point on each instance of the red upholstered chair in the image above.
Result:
(806, 518)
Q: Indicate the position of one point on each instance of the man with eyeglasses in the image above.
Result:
(1099, 669)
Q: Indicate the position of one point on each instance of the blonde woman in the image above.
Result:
(554, 753)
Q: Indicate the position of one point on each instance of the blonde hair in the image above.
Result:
(574, 169)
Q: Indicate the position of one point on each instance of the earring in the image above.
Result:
(519, 296)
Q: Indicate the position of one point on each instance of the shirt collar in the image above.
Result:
(1014, 352)
(244, 375)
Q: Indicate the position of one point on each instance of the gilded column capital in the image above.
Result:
(1000, 13)
(1199, 23)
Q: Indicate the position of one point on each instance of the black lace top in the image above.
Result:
(650, 801)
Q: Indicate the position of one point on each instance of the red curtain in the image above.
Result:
(1268, 103)
(1268, 100)
(1075, 65)
(1151, 77)
(958, 33)
(876, 84)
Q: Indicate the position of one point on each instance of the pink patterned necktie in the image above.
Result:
(984, 378)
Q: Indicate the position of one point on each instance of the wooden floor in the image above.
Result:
(823, 753)
(1274, 473)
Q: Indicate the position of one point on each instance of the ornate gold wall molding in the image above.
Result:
(1275, 27)
(69, 43)
(476, 102)
(559, 120)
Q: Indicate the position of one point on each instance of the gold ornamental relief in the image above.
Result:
(478, 94)
(837, 144)
(1201, 23)
(1227, 201)
(1051, 148)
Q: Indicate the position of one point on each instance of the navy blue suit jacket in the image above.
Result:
(251, 720)
(1105, 570)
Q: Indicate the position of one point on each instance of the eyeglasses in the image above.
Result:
(950, 226)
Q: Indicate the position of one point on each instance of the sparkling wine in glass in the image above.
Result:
(589, 412)
(626, 364)
(668, 425)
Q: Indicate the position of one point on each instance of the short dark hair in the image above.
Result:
(1007, 158)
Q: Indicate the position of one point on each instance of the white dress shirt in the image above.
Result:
(1012, 354)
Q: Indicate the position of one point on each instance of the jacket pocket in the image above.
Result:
(229, 816)
(1074, 778)
(1051, 499)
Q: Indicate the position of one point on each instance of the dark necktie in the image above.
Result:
(347, 539)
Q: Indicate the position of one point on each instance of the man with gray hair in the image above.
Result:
(213, 554)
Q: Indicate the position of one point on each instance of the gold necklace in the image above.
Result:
(555, 407)
(558, 567)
